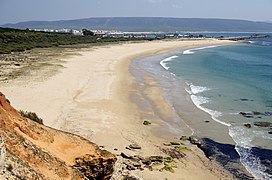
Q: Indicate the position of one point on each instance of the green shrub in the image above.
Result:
(181, 148)
(31, 115)
(193, 140)
(12, 40)
(169, 168)
(183, 138)
(146, 122)
(168, 159)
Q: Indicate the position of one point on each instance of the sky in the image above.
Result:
(13, 11)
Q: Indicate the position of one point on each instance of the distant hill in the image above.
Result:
(151, 24)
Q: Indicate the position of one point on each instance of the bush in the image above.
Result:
(183, 138)
(168, 159)
(146, 122)
(32, 116)
(169, 168)
(181, 148)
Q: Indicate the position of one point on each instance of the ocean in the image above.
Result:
(232, 84)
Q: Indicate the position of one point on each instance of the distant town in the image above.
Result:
(120, 34)
(147, 35)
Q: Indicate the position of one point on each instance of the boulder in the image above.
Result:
(134, 146)
(263, 124)
(247, 125)
(126, 156)
(156, 158)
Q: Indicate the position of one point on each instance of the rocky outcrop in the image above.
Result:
(34, 151)
(263, 124)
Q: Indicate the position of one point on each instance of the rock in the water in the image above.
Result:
(263, 124)
(268, 113)
(256, 113)
(134, 146)
(247, 125)
(270, 132)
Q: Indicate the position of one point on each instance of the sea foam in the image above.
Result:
(164, 64)
(200, 100)
(190, 51)
(243, 137)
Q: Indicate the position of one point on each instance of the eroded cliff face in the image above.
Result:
(34, 151)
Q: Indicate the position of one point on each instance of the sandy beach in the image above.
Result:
(94, 95)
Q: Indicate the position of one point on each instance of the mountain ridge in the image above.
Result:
(150, 24)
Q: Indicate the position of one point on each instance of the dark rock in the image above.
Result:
(173, 153)
(146, 161)
(246, 113)
(137, 158)
(174, 143)
(243, 99)
(126, 156)
(130, 178)
(207, 121)
(156, 158)
(134, 146)
(247, 125)
(263, 124)
(268, 113)
(130, 167)
(17, 64)
(248, 116)
(256, 113)
(270, 132)
(115, 149)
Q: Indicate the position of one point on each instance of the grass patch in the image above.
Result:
(169, 168)
(174, 143)
(181, 148)
(193, 140)
(168, 159)
(183, 138)
(32, 116)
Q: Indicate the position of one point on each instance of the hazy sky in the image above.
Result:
(12, 11)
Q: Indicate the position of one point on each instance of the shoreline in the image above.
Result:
(96, 103)
(173, 89)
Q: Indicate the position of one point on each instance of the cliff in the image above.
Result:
(33, 151)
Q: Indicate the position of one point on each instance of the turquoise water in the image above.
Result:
(226, 81)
